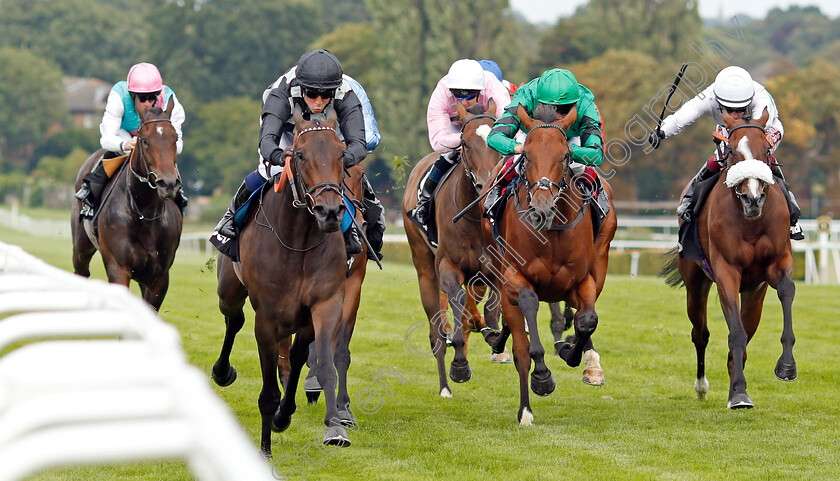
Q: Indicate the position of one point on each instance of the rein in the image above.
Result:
(467, 169)
(310, 194)
(547, 184)
(139, 152)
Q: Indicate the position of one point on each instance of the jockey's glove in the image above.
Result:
(656, 137)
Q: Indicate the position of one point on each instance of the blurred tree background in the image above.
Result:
(219, 55)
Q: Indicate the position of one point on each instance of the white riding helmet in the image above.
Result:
(465, 74)
(734, 87)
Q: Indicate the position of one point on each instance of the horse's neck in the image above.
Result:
(144, 197)
(464, 190)
(290, 218)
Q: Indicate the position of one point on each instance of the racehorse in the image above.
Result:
(744, 235)
(139, 224)
(458, 257)
(292, 267)
(551, 252)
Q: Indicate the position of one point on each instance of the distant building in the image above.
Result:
(86, 99)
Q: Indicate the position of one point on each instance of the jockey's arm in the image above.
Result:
(177, 118)
(276, 111)
(352, 125)
(501, 137)
(112, 136)
(441, 135)
(591, 148)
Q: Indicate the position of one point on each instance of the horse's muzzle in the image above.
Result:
(752, 206)
(167, 188)
(329, 216)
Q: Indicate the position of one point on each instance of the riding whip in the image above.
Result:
(482, 196)
(671, 93)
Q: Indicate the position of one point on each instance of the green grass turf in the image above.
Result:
(645, 423)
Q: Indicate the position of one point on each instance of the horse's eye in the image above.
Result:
(299, 156)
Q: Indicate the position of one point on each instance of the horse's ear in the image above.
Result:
(462, 112)
(138, 107)
(524, 118)
(169, 106)
(569, 119)
(298, 115)
(728, 120)
(762, 121)
(331, 114)
(491, 107)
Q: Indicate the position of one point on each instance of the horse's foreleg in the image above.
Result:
(155, 292)
(352, 299)
(586, 321)
(786, 366)
(450, 282)
(265, 330)
(515, 322)
(297, 357)
(326, 317)
(542, 382)
(697, 295)
(232, 295)
(729, 281)
(430, 298)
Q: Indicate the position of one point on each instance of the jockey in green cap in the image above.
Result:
(558, 90)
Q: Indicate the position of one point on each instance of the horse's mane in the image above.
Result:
(546, 113)
(157, 111)
(476, 109)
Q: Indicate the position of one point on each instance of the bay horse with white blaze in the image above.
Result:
(457, 259)
(744, 234)
(292, 267)
(551, 252)
(139, 223)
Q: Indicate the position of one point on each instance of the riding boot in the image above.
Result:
(91, 191)
(352, 243)
(225, 226)
(492, 197)
(181, 200)
(686, 208)
(793, 207)
(420, 213)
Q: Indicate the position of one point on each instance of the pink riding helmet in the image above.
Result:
(144, 78)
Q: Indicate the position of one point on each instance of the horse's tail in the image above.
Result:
(670, 268)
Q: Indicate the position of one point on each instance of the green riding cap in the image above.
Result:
(557, 87)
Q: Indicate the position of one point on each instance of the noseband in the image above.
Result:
(310, 194)
(729, 151)
(138, 147)
(545, 183)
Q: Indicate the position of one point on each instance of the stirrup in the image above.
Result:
(683, 210)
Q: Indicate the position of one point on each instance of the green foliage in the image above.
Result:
(336, 13)
(31, 102)
(202, 45)
(84, 37)
(222, 145)
(663, 29)
(61, 170)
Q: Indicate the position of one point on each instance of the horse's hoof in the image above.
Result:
(460, 373)
(311, 384)
(446, 393)
(502, 357)
(740, 401)
(526, 417)
(543, 387)
(312, 397)
(280, 423)
(347, 417)
(336, 436)
(785, 371)
(226, 379)
(593, 377)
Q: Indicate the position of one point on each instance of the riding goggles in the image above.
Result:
(464, 94)
(150, 97)
(313, 94)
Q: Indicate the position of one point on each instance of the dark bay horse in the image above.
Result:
(550, 253)
(458, 256)
(139, 223)
(744, 234)
(292, 267)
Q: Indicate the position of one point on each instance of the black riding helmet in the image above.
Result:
(319, 70)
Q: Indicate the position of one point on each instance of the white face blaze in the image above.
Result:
(749, 168)
(159, 130)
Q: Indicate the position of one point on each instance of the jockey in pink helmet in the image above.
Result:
(142, 89)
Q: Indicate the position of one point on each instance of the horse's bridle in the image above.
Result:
(470, 174)
(138, 147)
(310, 194)
(545, 183)
(728, 152)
